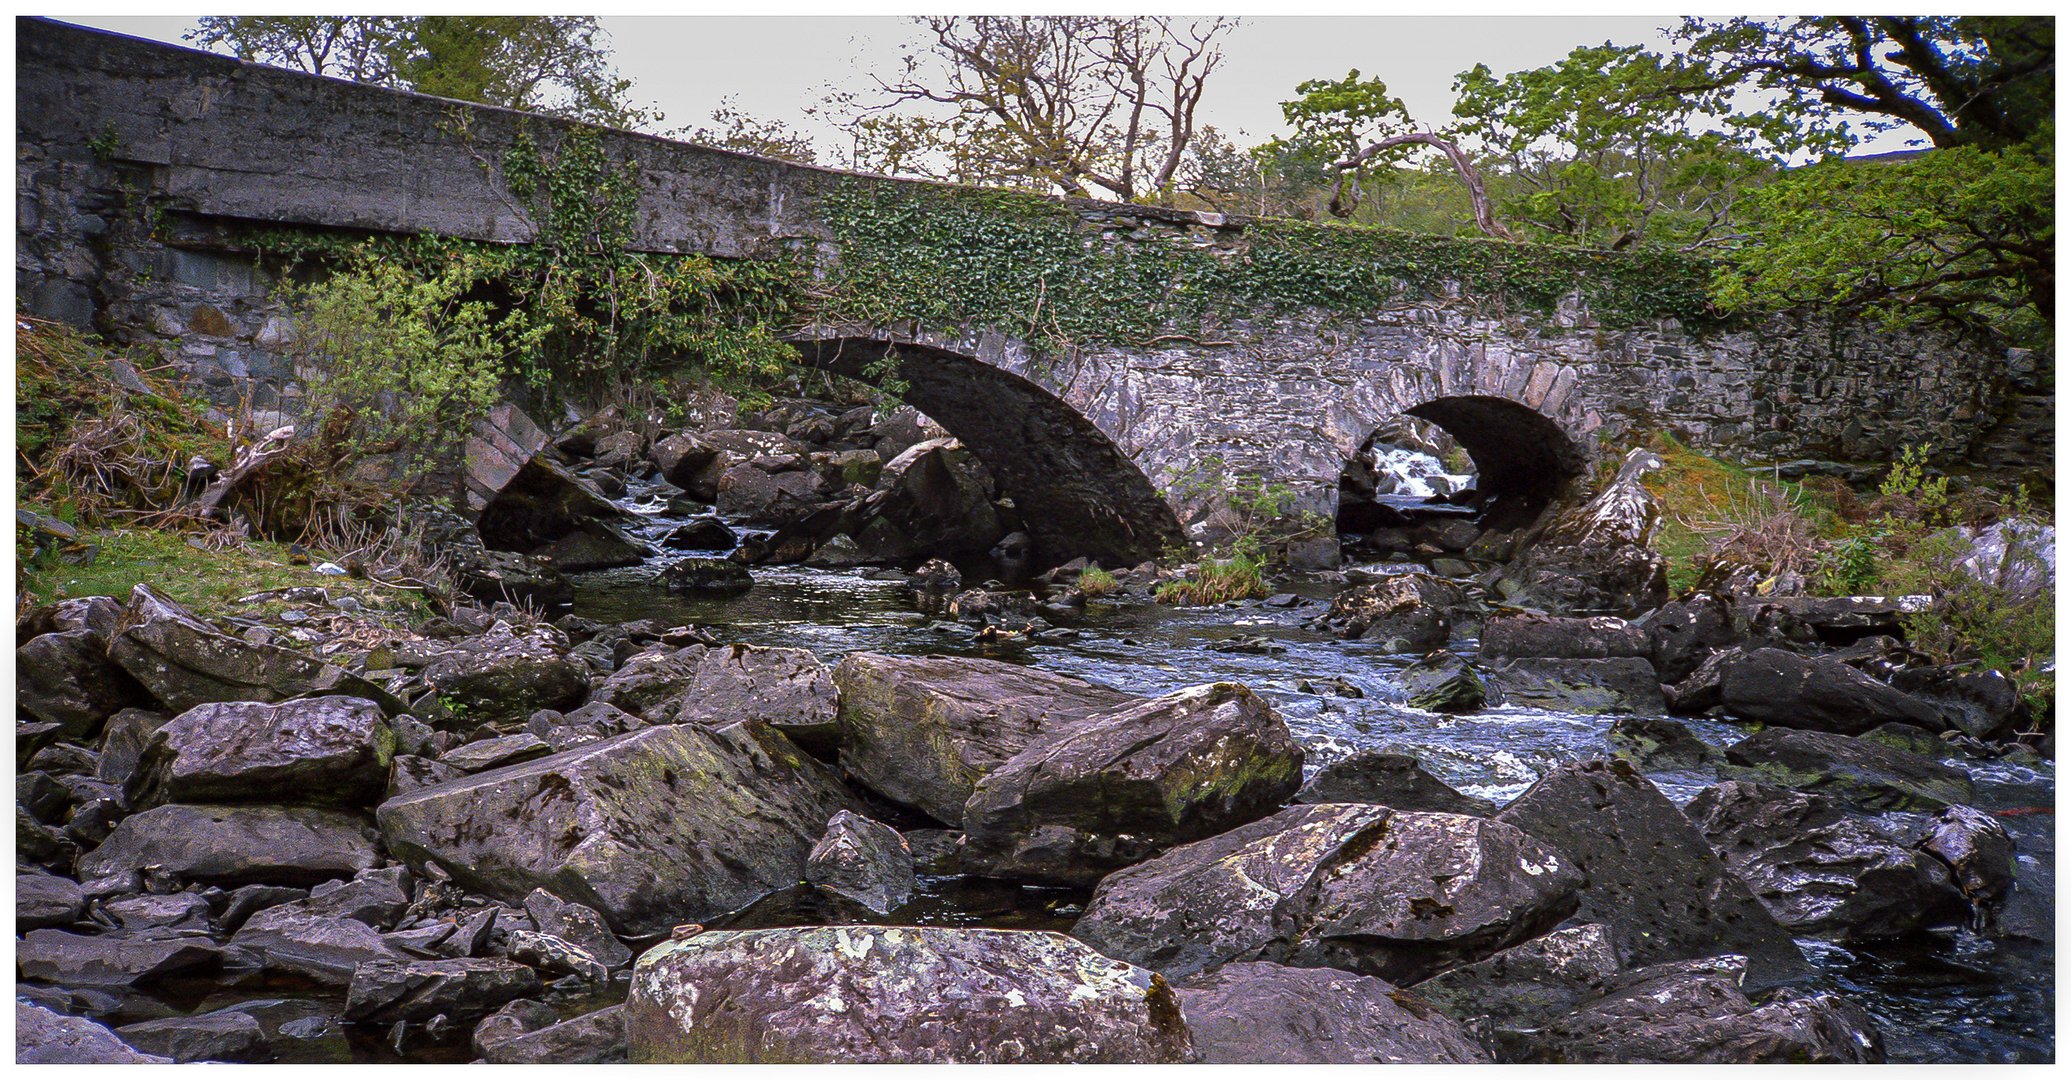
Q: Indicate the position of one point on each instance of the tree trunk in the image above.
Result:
(1477, 190)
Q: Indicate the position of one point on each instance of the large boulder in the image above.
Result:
(43, 1037)
(507, 675)
(314, 944)
(1771, 686)
(42, 900)
(313, 750)
(714, 686)
(66, 679)
(597, 1038)
(651, 829)
(1695, 1013)
(1653, 879)
(1411, 609)
(1400, 896)
(756, 492)
(1529, 635)
(935, 498)
(1681, 633)
(413, 991)
(1390, 779)
(1599, 557)
(1869, 774)
(541, 503)
(1267, 1014)
(1525, 985)
(850, 994)
(1820, 871)
(595, 546)
(235, 845)
(1624, 684)
(705, 577)
(113, 959)
(923, 730)
(222, 1035)
(863, 860)
(1127, 784)
(1980, 852)
(185, 662)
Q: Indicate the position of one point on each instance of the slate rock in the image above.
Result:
(414, 991)
(1783, 689)
(123, 739)
(1852, 770)
(714, 686)
(67, 679)
(1656, 742)
(224, 1035)
(326, 948)
(922, 730)
(236, 845)
(504, 675)
(651, 829)
(907, 994)
(111, 959)
(597, 1038)
(484, 754)
(1389, 779)
(705, 577)
(1535, 635)
(184, 662)
(1266, 1014)
(312, 750)
(578, 925)
(1526, 985)
(1695, 1013)
(1820, 871)
(1980, 852)
(1122, 786)
(1410, 607)
(863, 860)
(1620, 684)
(1653, 880)
(42, 900)
(43, 1037)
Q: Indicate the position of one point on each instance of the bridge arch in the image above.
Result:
(1523, 459)
(1077, 492)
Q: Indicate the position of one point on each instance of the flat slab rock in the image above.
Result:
(713, 686)
(1653, 879)
(1266, 1014)
(1124, 785)
(922, 730)
(869, 994)
(312, 750)
(185, 662)
(651, 829)
(1397, 895)
(1693, 1012)
(1859, 771)
(43, 1037)
(413, 991)
(236, 845)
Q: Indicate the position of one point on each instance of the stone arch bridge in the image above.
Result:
(138, 164)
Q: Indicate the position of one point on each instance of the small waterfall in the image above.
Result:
(1399, 470)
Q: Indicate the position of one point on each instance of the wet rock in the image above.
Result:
(705, 577)
(1820, 871)
(1981, 704)
(787, 688)
(1122, 786)
(540, 502)
(326, 948)
(933, 584)
(1980, 852)
(863, 860)
(112, 959)
(935, 851)
(1599, 557)
(1411, 608)
(1530, 635)
(508, 576)
(649, 828)
(986, 607)
(312, 750)
(908, 995)
(1653, 880)
(43, 1037)
(1702, 690)
(41, 845)
(183, 662)
(1443, 682)
(1400, 896)
(42, 900)
(505, 675)
(922, 731)
(552, 955)
(934, 498)
(1774, 687)
(592, 1038)
(1695, 1013)
(225, 1035)
(1656, 742)
(1682, 633)
(1622, 684)
(1389, 779)
(1266, 1014)
(837, 552)
(1524, 986)
(67, 679)
(596, 546)
(578, 925)
(236, 845)
(701, 534)
(682, 458)
(1852, 770)
(413, 991)
(43, 797)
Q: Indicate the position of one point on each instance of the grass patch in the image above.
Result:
(1216, 581)
(1096, 583)
(1707, 503)
(207, 581)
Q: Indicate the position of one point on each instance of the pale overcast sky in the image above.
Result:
(777, 67)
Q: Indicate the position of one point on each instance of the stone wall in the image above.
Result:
(137, 160)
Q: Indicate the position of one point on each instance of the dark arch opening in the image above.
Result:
(1077, 494)
(1522, 461)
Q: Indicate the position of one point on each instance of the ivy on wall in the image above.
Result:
(951, 258)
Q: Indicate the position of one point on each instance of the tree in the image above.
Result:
(735, 129)
(1966, 230)
(1070, 103)
(556, 64)
(1610, 145)
(1335, 117)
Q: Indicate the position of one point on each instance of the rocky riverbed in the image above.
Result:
(1378, 817)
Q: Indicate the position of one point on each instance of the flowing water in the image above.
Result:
(1954, 996)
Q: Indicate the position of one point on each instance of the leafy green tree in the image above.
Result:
(1612, 145)
(556, 64)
